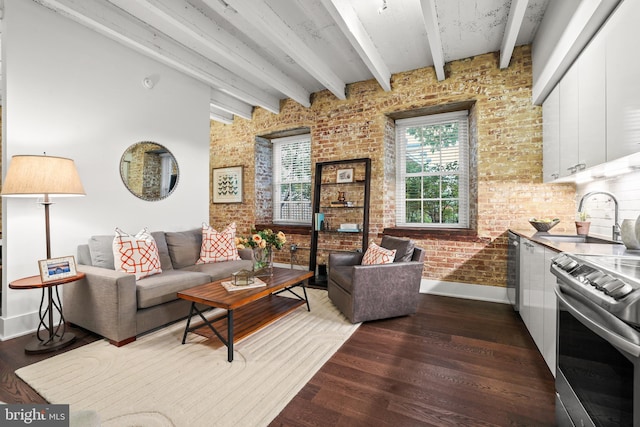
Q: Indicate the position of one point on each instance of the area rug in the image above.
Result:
(156, 381)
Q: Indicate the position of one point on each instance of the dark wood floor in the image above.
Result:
(457, 362)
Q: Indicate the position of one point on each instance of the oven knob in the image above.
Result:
(568, 264)
(594, 275)
(622, 291)
(600, 281)
(612, 286)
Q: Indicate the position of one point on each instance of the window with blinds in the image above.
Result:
(292, 180)
(433, 171)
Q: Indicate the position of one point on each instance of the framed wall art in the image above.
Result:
(227, 184)
(57, 268)
(344, 175)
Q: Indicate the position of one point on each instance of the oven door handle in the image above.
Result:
(580, 311)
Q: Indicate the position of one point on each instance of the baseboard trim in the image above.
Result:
(464, 290)
(17, 326)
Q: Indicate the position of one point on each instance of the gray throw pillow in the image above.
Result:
(184, 247)
(163, 250)
(101, 250)
(404, 247)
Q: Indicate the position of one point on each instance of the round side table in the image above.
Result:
(55, 337)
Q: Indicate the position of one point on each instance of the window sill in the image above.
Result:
(286, 228)
(457, 234)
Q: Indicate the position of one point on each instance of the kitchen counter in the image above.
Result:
(605, 247)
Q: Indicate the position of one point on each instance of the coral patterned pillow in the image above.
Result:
(136, 254)
(218, 246)
(377, 255)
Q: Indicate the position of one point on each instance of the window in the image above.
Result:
(292, 180)
(433, 171)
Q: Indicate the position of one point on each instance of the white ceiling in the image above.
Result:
(255, 53)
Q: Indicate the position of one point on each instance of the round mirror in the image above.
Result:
(149, 171)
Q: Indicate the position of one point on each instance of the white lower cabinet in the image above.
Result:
(537, 300)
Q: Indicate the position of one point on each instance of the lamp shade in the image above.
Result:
(30, 175)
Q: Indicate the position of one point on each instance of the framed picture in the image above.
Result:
(344, 175)
(57, 268)
(227, 185)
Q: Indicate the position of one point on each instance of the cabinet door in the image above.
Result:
(592, 135)
(525, 273)
(623, 86)
(569, 133)
(536, 301)
(551, 136)
(550, 310)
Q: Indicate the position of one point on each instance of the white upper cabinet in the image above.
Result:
(592, 113)
(551, 136)
(569, 126)
(623, 81)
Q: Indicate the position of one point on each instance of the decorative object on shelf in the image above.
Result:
(43, 177)
(582, 225)
(341, 196)
(227, 184)
(344, 175)
(543, 224)
(263, 242)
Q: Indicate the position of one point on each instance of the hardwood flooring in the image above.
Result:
(456, 362)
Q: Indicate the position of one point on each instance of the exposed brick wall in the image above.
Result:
(507, 141)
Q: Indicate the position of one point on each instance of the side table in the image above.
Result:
(56, 338)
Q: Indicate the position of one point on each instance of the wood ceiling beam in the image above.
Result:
(196, 31)
(514, 23)
(116, 24)
(267, 22)
(230, 104)
(347, 20)
(433, 35)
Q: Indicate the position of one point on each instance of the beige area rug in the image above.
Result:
(156, 381)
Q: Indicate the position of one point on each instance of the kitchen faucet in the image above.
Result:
(615, 232)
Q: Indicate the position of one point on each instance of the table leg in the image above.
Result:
(54, 340)
(230, 336)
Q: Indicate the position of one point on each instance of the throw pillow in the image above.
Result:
(136, 254)
(404, 247)
(377, 255)
(218, 246)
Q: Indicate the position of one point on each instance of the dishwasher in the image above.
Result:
(513, 270)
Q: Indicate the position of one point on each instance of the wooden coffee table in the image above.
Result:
(247, 310)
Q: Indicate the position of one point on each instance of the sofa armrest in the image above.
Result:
(345, 258)
(104, 302)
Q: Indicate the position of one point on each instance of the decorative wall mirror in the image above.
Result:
(149, 171)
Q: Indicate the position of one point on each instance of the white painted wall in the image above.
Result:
(73, 93)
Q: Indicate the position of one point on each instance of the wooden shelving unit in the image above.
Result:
(325, 202)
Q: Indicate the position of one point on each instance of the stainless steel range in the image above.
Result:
(598, 372)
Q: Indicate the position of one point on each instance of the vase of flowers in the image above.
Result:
(263, 243)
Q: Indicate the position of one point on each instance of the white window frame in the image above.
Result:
(278, 143)
(460, 117)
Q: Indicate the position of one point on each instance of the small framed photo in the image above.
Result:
(344, 175)
(57, 268)
(227, 185)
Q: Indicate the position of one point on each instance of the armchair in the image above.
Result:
(371, 292)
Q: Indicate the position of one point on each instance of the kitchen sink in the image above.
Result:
(576, 238)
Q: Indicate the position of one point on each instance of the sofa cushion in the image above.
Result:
(404, 247)
(184, 247)
(164, 287)
(377, 255)
(220, 270)
(218, 246)
(101, 250)
(136, 254)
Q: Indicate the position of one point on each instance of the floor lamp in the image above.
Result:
(44, 177)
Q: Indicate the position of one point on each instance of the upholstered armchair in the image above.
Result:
(371, 292)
